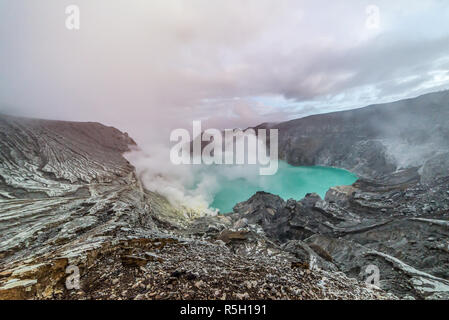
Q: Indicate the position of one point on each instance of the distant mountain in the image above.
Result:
(370, 141)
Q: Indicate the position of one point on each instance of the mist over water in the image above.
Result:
(289, 182)
(208, 190)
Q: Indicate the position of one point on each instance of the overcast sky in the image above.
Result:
(148, 66)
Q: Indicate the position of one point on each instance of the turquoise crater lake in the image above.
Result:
(289, 182)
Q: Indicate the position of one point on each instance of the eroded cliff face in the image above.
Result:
(43, 158)
(371, 141)
(66, 190)
(68, 198)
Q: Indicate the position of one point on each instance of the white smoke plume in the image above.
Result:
(191, 188)
(182, 185)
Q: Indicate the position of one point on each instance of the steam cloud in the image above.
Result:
(186, 187)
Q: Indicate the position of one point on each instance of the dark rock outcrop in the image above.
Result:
(395, 223)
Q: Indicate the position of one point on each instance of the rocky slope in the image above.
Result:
(42, 159)
(396, 224)
(60, 180)
(69, 199)
(371, 141)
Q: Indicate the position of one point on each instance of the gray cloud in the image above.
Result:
(150, 66)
